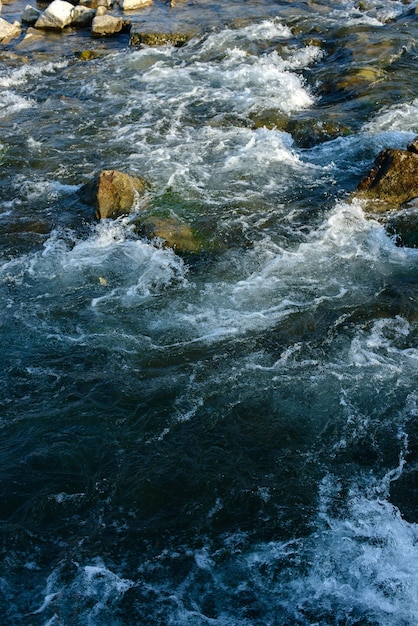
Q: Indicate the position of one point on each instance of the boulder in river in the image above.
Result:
(391, 190)
(392, 180)
(114, 193)
(104, 25)
(8, 31)
(56, 16)
(32, 39)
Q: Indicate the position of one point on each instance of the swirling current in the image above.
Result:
(226, 437)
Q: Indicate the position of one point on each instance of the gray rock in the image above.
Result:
(82, 17)
(106, 25)
(30, 15)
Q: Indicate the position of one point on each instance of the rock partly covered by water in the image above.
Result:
(171, 231)
(392, 180)
(391, 190)
(114, 193)
(138, 37)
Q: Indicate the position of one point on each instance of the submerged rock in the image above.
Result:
(403, 226)
(392, 180)
(172, 232)
(139, 37)
(31, 39)
(56, 16)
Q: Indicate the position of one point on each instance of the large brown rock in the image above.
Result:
(114, 193)
(392, 180)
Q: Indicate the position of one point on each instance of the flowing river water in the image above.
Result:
(227, 438)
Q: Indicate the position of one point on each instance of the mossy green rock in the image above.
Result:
(173, 232)
(138, 38)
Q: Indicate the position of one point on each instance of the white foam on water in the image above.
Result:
(112, 261)
(398, 121)
(11, 103)
(362, 564)
(97, 589)
(334, 264)
(19, 76)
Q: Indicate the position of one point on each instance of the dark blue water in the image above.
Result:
(231, 437)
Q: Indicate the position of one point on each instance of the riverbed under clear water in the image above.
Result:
(226, 438)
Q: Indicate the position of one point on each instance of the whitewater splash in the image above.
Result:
(230, 438)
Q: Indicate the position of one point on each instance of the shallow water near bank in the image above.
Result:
(225, 438)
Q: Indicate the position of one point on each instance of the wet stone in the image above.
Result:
(138, 38)
(30, 15)
(113, 193)
(392, 180)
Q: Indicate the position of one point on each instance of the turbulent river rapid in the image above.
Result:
(229, 437)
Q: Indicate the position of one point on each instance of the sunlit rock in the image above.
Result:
(8, 31)
(114, 193)
(391, 190)
(106, 25)
(392, 180)
(56, 16)
(30, 15)
(133, 5)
